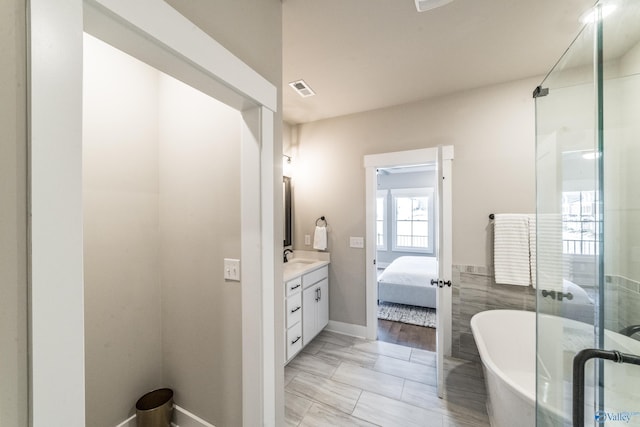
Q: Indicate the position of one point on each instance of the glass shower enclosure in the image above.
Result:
(588, 225)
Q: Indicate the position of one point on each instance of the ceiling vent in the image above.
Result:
(424, 5)
(302, 88)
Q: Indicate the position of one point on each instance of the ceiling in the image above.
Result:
(360, 55)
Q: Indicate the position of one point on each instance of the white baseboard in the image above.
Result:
(181, 418)
(184, 418)
(129, 422)
(350, 329)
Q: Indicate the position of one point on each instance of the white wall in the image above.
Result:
(492, 131)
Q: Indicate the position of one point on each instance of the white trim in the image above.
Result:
(401, 158)
(181, 418)
(56, 295)
(444, 254)
(250, 268)
(181, 39)
(384, 195)
(372, 163)
(349, 329)
(371, 251)
(268, 195)
(165, 39)
(413, 192)
(184, 418)
(129, 422)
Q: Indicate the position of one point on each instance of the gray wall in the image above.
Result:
(162, 210)
(199, 227)
(492, 131)
(13, 216)
(123, 340)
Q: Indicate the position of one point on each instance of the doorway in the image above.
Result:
(441, 243)
(56, 241)
(406, 255)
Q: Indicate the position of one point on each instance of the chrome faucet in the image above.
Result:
(286, 252)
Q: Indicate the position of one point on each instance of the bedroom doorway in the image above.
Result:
(408, 205)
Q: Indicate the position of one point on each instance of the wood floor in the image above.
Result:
(408, 335)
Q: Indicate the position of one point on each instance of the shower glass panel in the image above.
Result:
(588, 225)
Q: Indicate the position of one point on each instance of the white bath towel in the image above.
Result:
(532, 249)
(511, 252)
(320, 238)
(551, 267)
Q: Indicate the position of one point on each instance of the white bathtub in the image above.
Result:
(506, 341)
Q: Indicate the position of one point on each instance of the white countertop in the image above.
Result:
(303, 262)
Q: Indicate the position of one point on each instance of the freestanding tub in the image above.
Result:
(506, 341)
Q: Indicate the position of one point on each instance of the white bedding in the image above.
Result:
(411, 270)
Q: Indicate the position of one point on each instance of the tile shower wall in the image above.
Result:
(475, 290)
(622, 298)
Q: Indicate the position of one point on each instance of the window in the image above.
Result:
(413, 220)
(579, 225)
(381, 220)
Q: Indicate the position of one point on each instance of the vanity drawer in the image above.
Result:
(294, 340)
(315, 276)
(293, 286)
(294, 309)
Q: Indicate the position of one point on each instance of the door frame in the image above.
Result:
(394, 159)
(168, 41)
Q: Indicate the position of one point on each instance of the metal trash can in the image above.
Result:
(155, 409)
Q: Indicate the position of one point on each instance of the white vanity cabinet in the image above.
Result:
(307, 307)
(315, 303)
(293, 317)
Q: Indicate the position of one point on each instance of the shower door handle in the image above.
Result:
(579, 362)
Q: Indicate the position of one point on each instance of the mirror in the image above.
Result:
(286, 198)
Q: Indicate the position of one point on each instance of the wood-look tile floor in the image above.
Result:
(408, 335)
(339, 380)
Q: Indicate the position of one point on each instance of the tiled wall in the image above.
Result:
(475, 290)
(622, 306)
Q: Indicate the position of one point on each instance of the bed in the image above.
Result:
(407, 280)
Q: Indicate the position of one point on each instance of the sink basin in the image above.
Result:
(303, 261)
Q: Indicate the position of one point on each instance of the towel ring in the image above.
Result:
(321, 220)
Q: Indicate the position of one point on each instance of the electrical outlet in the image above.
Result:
(232, 269)
(307, 239)
(356, 242)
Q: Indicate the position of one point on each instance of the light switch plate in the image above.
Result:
(232, 269)
(356, 242)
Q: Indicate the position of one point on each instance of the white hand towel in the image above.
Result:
(320, 238)
(511, 249)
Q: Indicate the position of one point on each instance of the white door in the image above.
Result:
(323, 305)
(444, 255)
(443, 156)
(309, 302)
